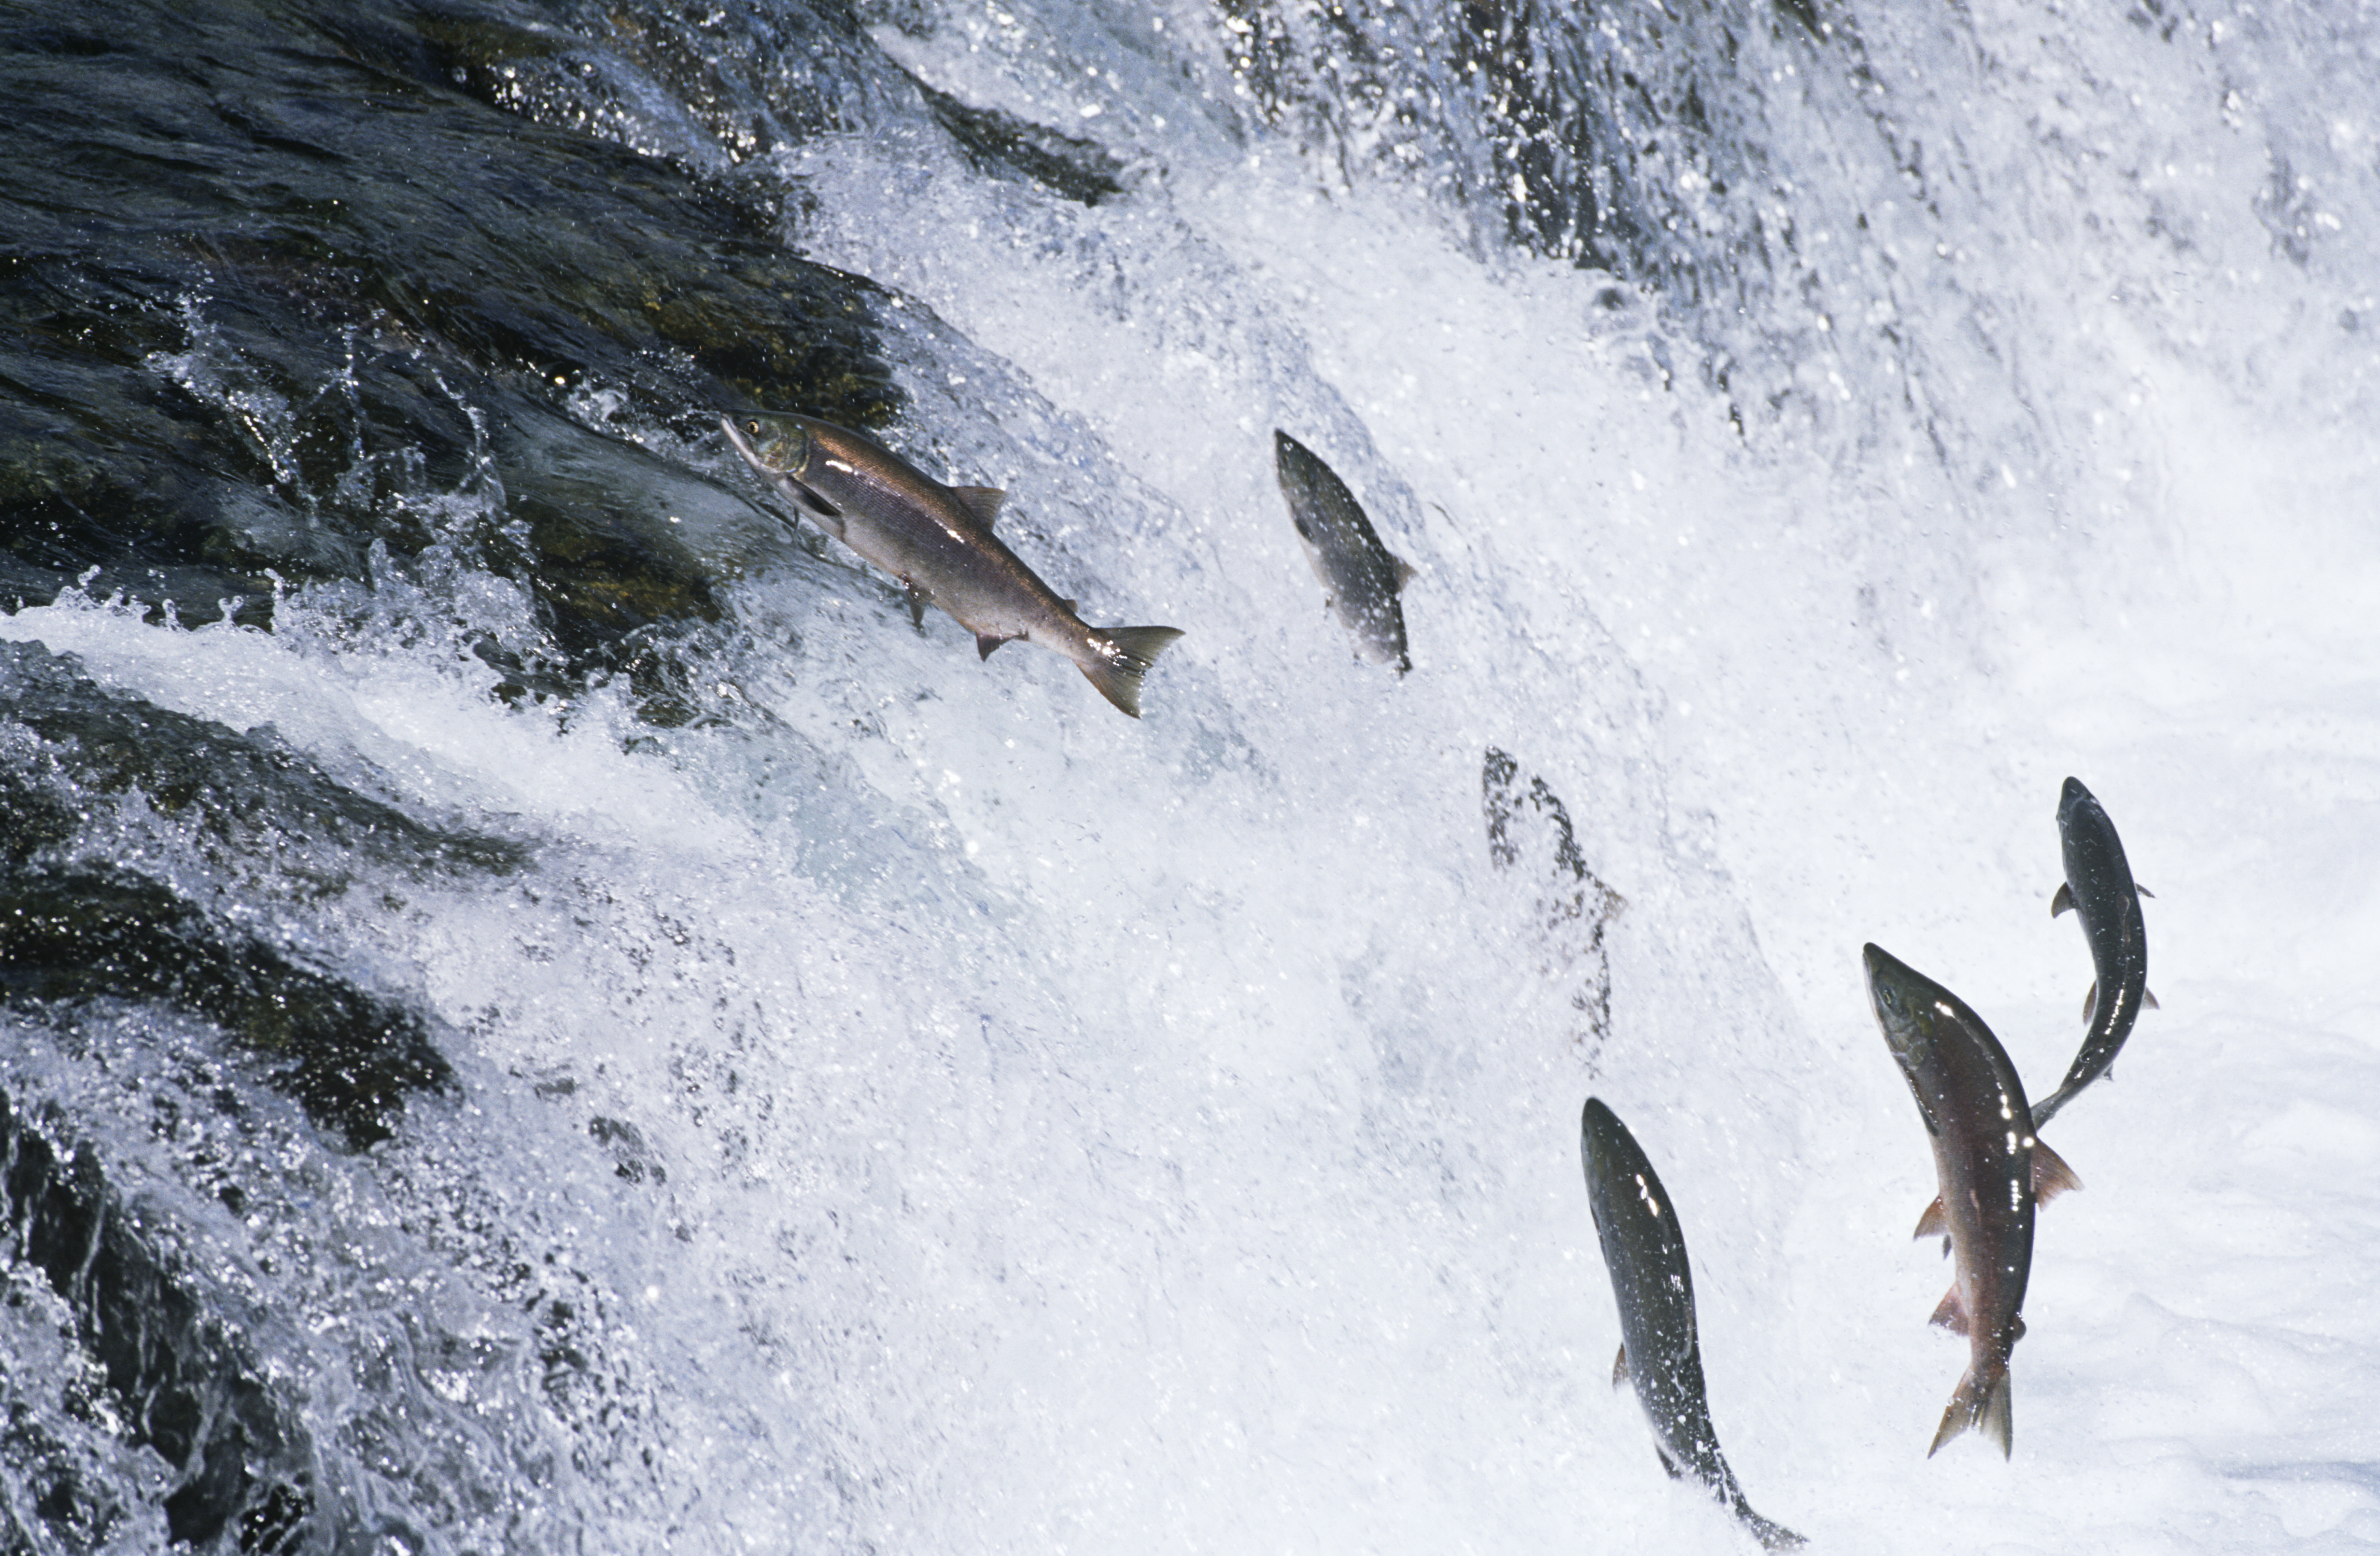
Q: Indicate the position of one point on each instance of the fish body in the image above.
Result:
(2100, 889)
(1991, 1171)
(1360, 579)
(938, 542)
(1659, 1355)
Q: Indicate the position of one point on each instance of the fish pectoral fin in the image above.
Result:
(2142, 890)
(1934, 1222)
(1404, 571)
(1620, 1367)
(981, 502)
(1674, 1472)
(2062, 900)
(2148, 998)
(985, 642)
(1950, 1313)
(2051, 1176)
(2091, 1003)
(916, 604)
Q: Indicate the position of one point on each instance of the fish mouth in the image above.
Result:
(745, 446)
(784, 481)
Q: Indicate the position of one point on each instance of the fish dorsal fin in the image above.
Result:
(982, 501)
(1933, 1223)
(2142, 890)
(1619, 1366)
(1405, 570)
(2148, 998)
(2062, 900)
(2051, 1176)
(1951, 1313)
(2091, 1003)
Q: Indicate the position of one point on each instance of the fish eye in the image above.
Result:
(753, 427)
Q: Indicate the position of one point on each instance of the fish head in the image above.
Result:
(1600, 1130)
(783, 450)
(2075, 800)
(1904, 1003)
(772, 444)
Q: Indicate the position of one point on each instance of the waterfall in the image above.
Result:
(539, 1012)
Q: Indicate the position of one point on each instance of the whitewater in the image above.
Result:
(961, 1118)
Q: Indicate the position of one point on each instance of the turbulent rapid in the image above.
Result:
(547, 1004)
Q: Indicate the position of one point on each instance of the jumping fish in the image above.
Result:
(936, 540)
(1658, 1357)
(2099, 888)
(1990, 1168)
(1360, 580)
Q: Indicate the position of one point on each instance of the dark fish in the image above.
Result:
(1991, 1171)
(937, 540)
(1360, 580)
(2099, 888)
(1659, 1357)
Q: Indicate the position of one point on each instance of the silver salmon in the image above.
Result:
(1659, 1356)
(2099, 888)
(1991, 1171)
(1360, 580)
(938, 542)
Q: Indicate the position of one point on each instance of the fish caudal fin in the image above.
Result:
(1981, 1403)
(1120, 656)
(1772, 1536)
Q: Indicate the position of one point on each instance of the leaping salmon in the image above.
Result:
(1360, 579)
(1991, 1171)
(936, 540)
(2099, 888)
(1659, 1355)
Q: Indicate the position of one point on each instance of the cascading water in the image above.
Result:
(541, 1014)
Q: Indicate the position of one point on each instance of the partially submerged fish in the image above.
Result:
(936, 540)
(1991, 1171)
(1360, 580)
(2099, 888)
(1658, 1357)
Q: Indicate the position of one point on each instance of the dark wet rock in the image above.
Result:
(281, 281)
(635, 1160)
(349, 1056)
(1530, 835)
(182, 1380)
(246, 791)
(1625, 138)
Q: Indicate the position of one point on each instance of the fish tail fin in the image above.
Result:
(1981, 1401)
(1772, 1536)
(1120, 656)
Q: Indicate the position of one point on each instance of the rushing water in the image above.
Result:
(541, 1014)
